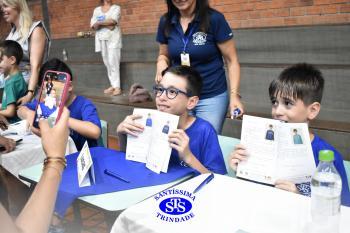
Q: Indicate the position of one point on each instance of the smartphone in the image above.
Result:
(52, 97)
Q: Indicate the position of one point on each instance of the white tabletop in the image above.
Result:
(227, 205)
(28, 152)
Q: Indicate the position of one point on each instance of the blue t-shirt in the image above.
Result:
(204, 145)
(317, 145)
(205, 55)
(81, 109)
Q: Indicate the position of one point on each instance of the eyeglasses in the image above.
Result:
(171, 92)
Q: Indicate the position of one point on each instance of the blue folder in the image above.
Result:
(103, 158)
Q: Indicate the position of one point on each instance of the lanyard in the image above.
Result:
(185, 39)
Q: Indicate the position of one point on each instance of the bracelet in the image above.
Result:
(236, 93)
(32, 91)
(60, 160)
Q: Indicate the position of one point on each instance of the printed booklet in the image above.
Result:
(152, 145)
(277, 151)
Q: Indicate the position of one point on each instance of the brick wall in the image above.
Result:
(141, 16)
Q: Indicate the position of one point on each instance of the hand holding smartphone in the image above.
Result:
(52, 97)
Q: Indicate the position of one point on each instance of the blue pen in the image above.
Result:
(206, 181)
(115, 175)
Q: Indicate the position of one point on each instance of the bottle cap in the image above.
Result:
(326, 155)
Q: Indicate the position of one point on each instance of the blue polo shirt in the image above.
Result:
(204, 145)
(205, 55)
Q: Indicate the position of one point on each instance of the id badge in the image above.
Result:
(185, 59)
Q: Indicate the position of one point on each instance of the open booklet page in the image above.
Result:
(152, 146)
(277, 150)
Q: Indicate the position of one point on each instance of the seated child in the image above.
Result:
(195, 141)
(296, 97)
(84, 122)
(15, 87)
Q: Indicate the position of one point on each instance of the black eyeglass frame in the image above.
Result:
(159, 90)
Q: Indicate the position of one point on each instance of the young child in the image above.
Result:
(296, 97)
(15, 87)
(195, 142)
(83, 122)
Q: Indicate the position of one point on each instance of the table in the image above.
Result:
(28, 152)
(114, 201)
(111, 203)
(227, 204)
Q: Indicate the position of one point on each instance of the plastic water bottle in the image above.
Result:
(326, 187)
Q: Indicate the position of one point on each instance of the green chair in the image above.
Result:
(103, 139)
(227, 145)
(347, 169)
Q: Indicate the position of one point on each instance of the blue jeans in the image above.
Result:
(213, 109)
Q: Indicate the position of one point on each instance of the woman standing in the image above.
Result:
(191, 33)
(33, 38)
(108, 41)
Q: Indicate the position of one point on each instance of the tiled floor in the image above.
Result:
(93, 221)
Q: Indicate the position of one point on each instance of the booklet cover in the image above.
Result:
(277, 150)
(152, 146)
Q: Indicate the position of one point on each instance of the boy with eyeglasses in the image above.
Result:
(195, 142)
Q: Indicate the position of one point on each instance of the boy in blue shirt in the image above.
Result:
(83, 122)
(195, 142)
(296, 97)
(11, 54)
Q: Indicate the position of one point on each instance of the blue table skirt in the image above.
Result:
(135, 172)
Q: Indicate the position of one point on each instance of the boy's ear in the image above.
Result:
(12, 60)
(192, 102)
(313, 110)
(70, 88)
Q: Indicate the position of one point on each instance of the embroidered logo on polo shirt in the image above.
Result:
(199, 38)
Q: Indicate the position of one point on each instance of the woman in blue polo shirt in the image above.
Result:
(191, 33)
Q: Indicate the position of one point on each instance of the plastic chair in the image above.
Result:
(347, 170)
(227, 144)
(103, 139)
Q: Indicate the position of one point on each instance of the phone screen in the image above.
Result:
(52, 97)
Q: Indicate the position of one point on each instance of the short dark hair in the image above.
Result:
(300, 81)
(193, 78)
(11, 48)
(54, 64)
